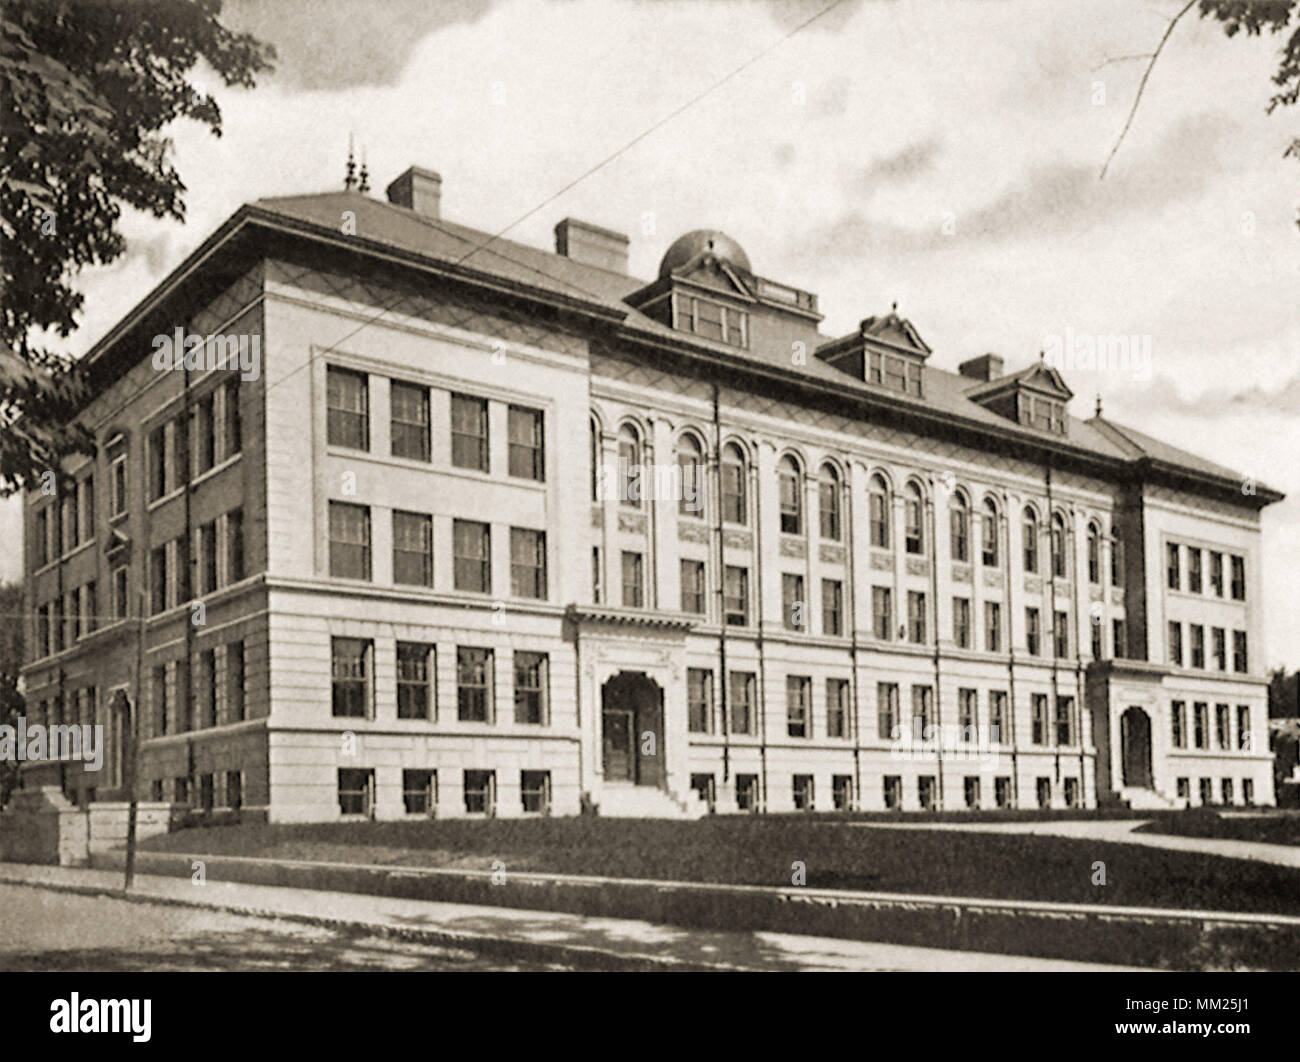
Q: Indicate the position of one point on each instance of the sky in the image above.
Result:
(942, 155)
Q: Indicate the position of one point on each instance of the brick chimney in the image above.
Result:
(986, 367)
(591, 245)
(419, 190)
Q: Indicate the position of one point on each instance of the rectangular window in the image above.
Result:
(1222, 726)
(207, 795)
(68, 519)
(1206, 787)
(1193, 569)
(802, 788)
(234, 790)
(1120, 635)
(914, 535)
(535, 792)
(158, 462)
(1033, 633)
(961, 622)
(356, 791)
(350, 673)
(420, 791)
(837, 707)
(1239, 661)
(410, 421)
(1071, 792)
(1038, 717)
(474, 685)
(1061, 633)
(1244, 742)
(469, 432)
(733, 491)
(1178, 724)
(925, 792)
(349, 540)
(747, 792)
(1065, 720)
(968, 716)
(203, 436)
(798, 693)
(347, 418)
(692, 575)
(1219, 642)
(235, 695)
(1173, 566)
(832, 607)
(922, 711)
(1216, 573)
(158, 579)
(527, 455)
(1184, 789)
(480, 789)
(792, 602)
(414, 680)
(998, 733)
(1238, 578)
(117, 485)
(742, 693)
(234, 421)
(1201, 725)
(41, 537)
(412, 548)
(1198, 644)
(633, 585)
(887, 719)
(89, 608)
(892, 791)
(882, 613)
(971, 791)
(916, 616)
(597, 580)
(528, 563)
(1176, 643)
(842, 791)
(472, 556)
(235, 567)
(531, 688)
(992, 627)
(735, 596)
(207, 535)
(879, 518)
(86, 499)
(159, 701)
(699, 700)
(208, 687)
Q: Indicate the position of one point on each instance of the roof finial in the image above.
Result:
(1099, 403)
(893, 307)
(365, 174)
(351, 178)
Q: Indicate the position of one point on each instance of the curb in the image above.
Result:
(586, 957)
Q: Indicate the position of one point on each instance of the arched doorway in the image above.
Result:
(632, 729)
(1135, 747)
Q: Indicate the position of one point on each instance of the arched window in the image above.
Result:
(990, 533)
(690, 463)
(1058, 545)
(629, 466)
(1031, 540)
(1094, 554)
(595, 460)
(828, 491)
(791, 489)
(915, 529)
(733, 485)
(959, 519)
(878, 496)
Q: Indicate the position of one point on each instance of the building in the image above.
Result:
(481, 529)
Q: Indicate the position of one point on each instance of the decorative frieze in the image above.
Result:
(1095, 593)
(737, 539)
(1062, 589)
(961, 573)
(832, 554)
(793, 547)
(917, 566)
(882, 562)
(1117, 595)
(633, 522)
(1033, 584)
(689, 531)
(992, 580)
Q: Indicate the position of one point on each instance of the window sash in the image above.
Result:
(349, 541)
(410, 421)
(526, 456)
(412, 548)
(530, 687)
(347, 409)
(469, 432)
(528, 563)
(474, 685)
(472, 552)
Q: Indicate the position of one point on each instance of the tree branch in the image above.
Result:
(1143, 84)
(1122, 59)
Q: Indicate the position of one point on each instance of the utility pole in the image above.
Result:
(133, 745)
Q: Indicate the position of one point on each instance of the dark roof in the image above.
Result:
(447, 245)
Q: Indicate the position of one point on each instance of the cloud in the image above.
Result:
(1214, 404)
(902, 165)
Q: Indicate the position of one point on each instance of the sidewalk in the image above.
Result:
(602, 943)
(1121, 831)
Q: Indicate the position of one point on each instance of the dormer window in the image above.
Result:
(894, 372)
(710, 319)
(1046, 414)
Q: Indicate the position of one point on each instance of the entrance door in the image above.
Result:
(617, 743)
(1135, 747)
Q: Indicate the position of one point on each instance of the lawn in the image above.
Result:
(762, 851)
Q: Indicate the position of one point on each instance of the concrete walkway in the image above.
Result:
(607, 943)
(1120, 831)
